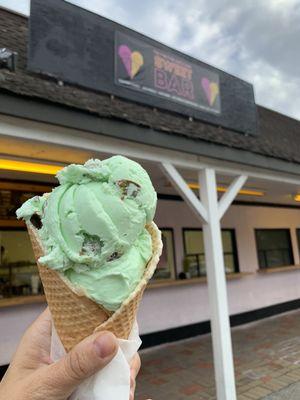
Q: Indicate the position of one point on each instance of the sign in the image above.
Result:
(150, 70)
(78, 47)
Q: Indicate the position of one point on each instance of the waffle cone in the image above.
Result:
(74, 315)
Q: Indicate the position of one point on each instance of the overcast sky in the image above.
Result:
(256, 40)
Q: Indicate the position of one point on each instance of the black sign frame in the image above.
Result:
(77, 46)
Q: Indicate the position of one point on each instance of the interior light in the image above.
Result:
(297, 197)
(245, 192)
(24, 166)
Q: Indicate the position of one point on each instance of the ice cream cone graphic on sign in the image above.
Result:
(132, 60)
(137, 61)
(211, 90)
(96, 246)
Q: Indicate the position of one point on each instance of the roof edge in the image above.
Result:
(271, 110)
(10, 10)
(28, 108)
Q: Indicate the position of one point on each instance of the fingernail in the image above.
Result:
(105, 345)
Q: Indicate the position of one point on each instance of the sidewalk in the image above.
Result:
(266, 356)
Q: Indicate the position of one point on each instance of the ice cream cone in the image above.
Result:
(74, 315)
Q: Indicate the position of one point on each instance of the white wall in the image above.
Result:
(168, 307)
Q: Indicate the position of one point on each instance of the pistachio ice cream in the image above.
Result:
(92, 227)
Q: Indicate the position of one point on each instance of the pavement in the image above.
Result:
(266, 358)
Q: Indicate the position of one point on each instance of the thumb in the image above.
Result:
(84, 360)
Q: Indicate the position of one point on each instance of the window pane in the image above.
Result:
(194, 241)
(166, 266)
(229, 263)
(277, 258)
(227, 241)
(298, 238)
(18, 271)
(195, 257)
(195, 265)
(273, 239)
(262, 260)
(274, 247)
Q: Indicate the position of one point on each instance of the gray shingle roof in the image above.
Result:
(279, 135)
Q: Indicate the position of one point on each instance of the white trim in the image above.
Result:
(53, 134)
(208, 209)
(230, 194)
(216, 280)
(184, 190)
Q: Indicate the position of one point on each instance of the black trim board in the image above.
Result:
(47, 112)
(201, 328)
(264, 204)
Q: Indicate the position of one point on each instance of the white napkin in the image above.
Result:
(113, 381)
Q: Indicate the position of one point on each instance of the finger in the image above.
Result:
(135, 365)
(132, 390)
(34, 347)
(87, 358)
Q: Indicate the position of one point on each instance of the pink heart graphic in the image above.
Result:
(211, 90)
(125, 54)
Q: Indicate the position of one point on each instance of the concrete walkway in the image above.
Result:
(267, 364)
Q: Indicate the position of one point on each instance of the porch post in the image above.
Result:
(221, 336)
(210, 210)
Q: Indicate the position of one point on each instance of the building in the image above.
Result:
(46, 123)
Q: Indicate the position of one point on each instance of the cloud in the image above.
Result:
(22, 7)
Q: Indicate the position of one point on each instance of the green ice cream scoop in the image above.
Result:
(92, 227)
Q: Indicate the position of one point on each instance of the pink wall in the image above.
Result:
(168, 307)
(174, 306)
(244, 219)
(13, 322)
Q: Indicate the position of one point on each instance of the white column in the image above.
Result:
(230, 194)
(221, 336)
(211, 211)
(189, 196)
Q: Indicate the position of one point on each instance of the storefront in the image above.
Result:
(47, 123)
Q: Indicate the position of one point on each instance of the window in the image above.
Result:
(166, 266)
(274, 248)
(194, 261)
(18, 271)
(298, 238)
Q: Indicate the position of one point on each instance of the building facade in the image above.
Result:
(46, 124)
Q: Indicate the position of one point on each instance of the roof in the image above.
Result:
(279, 135)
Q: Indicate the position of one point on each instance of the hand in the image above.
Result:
(33, 376)
(135, 366)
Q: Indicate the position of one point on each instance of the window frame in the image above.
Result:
(291, 251)
(298, 239)
(234, 248)
(14, 229)
(153, 280)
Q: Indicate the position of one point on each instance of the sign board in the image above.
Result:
(82, 48)
(150, 70)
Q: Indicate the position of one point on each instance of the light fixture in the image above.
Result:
(297, 197)
(222, 189)
(8, 59)
(24, 166)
